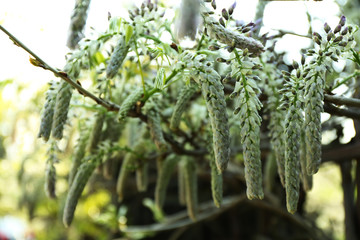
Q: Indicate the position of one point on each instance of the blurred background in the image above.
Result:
(42, 25)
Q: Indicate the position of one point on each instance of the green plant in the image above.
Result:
(140, 77)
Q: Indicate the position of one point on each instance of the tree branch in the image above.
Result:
(351, 102)
(37, 61)
(330, 108)
(349, 206)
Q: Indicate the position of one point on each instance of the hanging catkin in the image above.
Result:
(50, 171)
(216, 176)
(154, 124)
(61, 109)
(48, 112)
(164, 175)
(190, 187)
(184, 97)
(216, 183)
(79, 152)
(117, 57)
(213, 93)
(80, 180)
(306, 179)
(142, 176)
(293, 123)
(181, 184)
(95, 135)
(247, 105)
(78, 21)
(124, 172)
(130, 102)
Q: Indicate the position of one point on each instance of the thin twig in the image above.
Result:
(351, 102)
(41, 63)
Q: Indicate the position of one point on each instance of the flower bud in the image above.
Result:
(295, 64)
(285, 73)
(302, 59)
(221, 59)
(338, 39)
(214, 47)
(231, 8)
(342, 20)
(222, 22)
(213, 4)
(343, 44)
(317, 35)
(327, 28)
(330, 36)
(245, 30)
(345, 31)
(337, 29)
(225, 14)
(317, 40)
(245, 52)
(334, 58)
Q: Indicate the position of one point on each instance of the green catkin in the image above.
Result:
(247, 107)
(306, 179)
(216, 175)
(117, 57)
(78, 21)
(154, 124)
(276, 125)
(131, 162)
(164, 175)
(112, 132)
(293, 123)
(48, 112)
(79, 153)
(80, 180)
(216, 183)
(313, 108)
(129, 103)
(61, 109)
(183, 99)
(96, 131)
(50, 180)
(142, 177)
(181, 185)
(50, 172)
(213, 93)
(190, 188)
(229, 37)
(126, 167)
(270, 172)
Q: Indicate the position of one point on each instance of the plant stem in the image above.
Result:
(356, 73)
(41, 63)
(140, 68)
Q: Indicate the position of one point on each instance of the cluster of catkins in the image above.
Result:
(295, 126)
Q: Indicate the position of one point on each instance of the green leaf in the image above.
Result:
(129, 33)
(160, 79)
